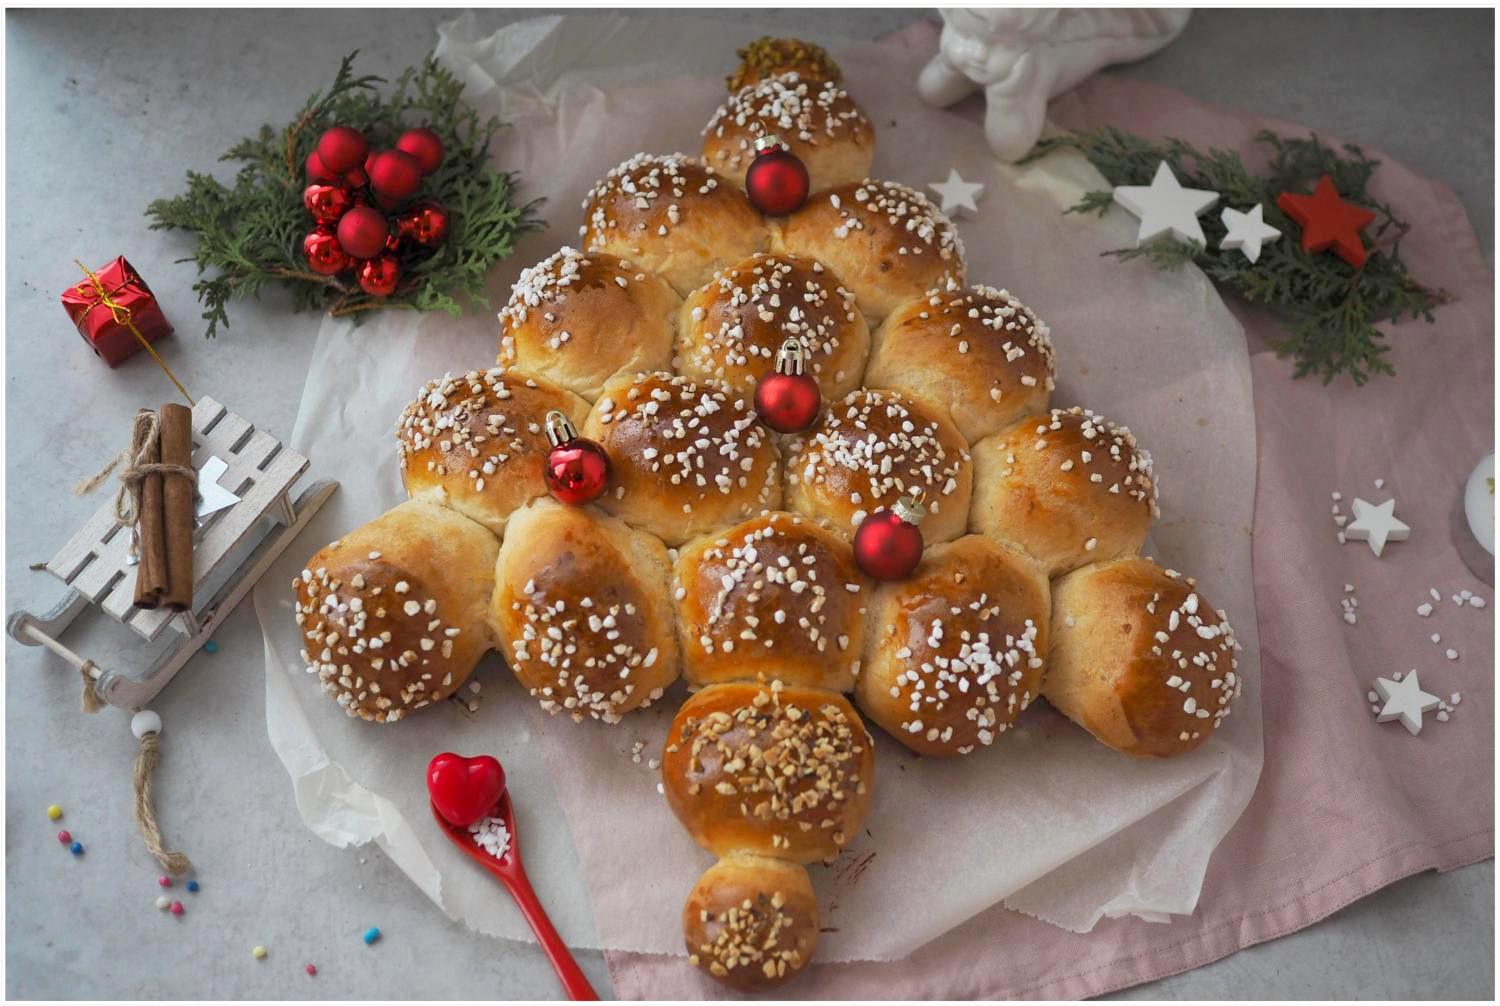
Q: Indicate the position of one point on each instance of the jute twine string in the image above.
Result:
(145, 809)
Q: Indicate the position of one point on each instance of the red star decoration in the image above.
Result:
(1328, 222)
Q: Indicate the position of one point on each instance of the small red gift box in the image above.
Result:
(105, 306)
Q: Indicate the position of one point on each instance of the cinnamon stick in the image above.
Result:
(178, 505)
(151, 572)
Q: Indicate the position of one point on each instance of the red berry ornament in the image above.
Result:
(378, 276)
(576, 470)
(888, 544)
(324, 254)
(362, 232)
(395, 174)
(317, 171)
(355, 178)
(326, 202)
(777, 180)
(424, 145)
(341, 148)
(424, 223)
(788, 400)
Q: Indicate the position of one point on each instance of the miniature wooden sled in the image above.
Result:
(97, 565)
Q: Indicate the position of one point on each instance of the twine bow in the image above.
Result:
(135, 463)
(121, 314)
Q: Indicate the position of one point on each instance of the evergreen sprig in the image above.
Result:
(250, 233)
(1332, 309)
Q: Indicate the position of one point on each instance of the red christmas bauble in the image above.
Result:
(425, 223)
(888, 543)
(355, 178)
(324, 255)
(378, 276)
(362, 231)
(576, 470)
(317, 171)
(776, 181)
(341, 148)
(425, 145)
(326, 202)
(788, 401)
(395, 174)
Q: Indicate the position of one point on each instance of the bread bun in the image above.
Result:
(580, 319)
(685, 458)
(887, 242)
(978, 350)
(731, 329)
(776, 770)
(1069, 487)
(393, 613)
(674, 216)
(816, 120)
(776, 595)
(772, 57)
(476, 443)
(1139, 659)
(751, 921)
(956, 653)
(870, 449)
(581, 613)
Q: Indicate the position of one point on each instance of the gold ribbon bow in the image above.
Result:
(121, 314)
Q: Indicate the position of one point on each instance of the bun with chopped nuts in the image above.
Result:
(978, 350)
(673, 215)
(731, 329)
(1139, 659)
(777, 595)
(686, 458)
(816, 120)
(771, 57)
(751, 921)
(887, 242)
(956, 651)
(580, 611)
(476, 443)
(870, 449)
(1067, 486)
(393, 613)
(779, 771)
(581, 318)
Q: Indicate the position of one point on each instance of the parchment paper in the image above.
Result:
(1048, 820)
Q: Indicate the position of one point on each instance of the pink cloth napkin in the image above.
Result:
(1345, 805)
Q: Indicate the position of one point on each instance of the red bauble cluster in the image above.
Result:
(888, 543)
(776, 181)
(347, 182)
(576, 469)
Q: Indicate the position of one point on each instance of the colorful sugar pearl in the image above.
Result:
(192, 886)
(312, 969)
(177, 908)
(259, 953)
(164, 880)
(210, 647)
(371, 935)
(65, 837)
(76, 848)
(163, 903)
(54, 812)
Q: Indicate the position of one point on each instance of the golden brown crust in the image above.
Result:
(1069, 487)
(731, 329)
(672, 215)
(751, 922)
(1139, 659)
(958, 648)
(579, 319)
(887, 241)
(816, 120)
(870, 449)
(392, 614)
(581, 613)
(978, 350)
(686, 458)
(779, 771)
(776, 595)
(476, 443)
(772, 57)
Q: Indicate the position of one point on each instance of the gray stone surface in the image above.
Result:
(106, 109)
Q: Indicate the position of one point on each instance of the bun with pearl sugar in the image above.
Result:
(673, 215)
(1068, 486)
(393, 613)
(751, 921)
(1139, 659)
(731, 329)
(686, 458)
(581, 613)
(955, 653)
(580, 318)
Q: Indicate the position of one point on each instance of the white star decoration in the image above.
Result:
(1376, 525)
(1404, 701)
(957, 194)
(1165, 207)
(1247, 231)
